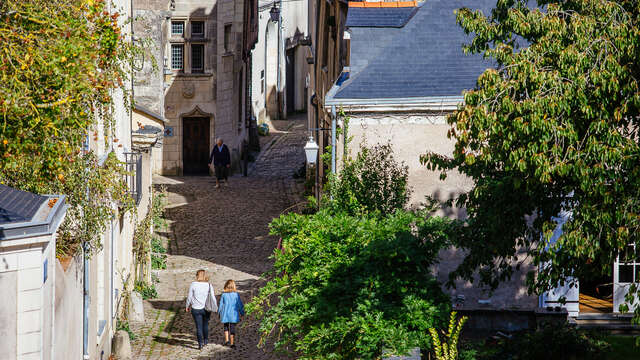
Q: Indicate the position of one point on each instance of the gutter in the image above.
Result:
(425, 103)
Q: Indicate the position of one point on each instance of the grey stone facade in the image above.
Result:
(198, 75)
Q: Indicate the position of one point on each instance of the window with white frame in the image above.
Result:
(197, 58)
(629, 265)
(177, 56)
(177, 28)
(197, 29)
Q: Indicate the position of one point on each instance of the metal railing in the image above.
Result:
(133, 164)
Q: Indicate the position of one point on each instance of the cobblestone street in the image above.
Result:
(224, 231)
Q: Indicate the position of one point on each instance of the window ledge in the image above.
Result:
(194, 75)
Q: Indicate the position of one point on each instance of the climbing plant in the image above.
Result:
(62, 62)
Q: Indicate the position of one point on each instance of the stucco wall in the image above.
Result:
(68, 310)
(412, 135)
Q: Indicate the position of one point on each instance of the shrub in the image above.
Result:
(124, 325)
(350, 286)
(372, 182)
(550, 342)
(145, 290)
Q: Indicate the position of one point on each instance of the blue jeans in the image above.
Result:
(201, 317)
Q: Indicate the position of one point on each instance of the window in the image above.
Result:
(177, 28)
(197, 58)
(227, 38)
(629, 266)
(262, 82)
(177, 56)
(197, 29)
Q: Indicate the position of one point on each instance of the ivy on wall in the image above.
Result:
(60, 63)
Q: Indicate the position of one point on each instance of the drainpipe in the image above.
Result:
(333, 139)
(85, 282)
(278, 81)
(85, 322)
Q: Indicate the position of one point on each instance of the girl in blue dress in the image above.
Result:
(230, 310)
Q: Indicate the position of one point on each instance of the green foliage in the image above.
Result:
(553, 128)
(159, 202)
(550, 342)
(347, 287)
(158, 261)
(447, 348)
(372, 182)
(60, 63)
(147, 291)
(124, 325)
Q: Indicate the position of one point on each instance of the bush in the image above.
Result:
(124, 325)
(372, 182)
(145, 290)
(550, 342)
(348, 287)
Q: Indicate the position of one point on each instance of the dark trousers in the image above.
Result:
(222, 171)
(201, 317)
(230, 327)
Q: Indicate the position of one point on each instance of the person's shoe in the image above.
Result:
(226, 184)
(206, 341)
(217, 186)
(226, 343)
(199, 346)
(233, 346)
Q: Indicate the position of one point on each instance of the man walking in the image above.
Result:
(221, 159)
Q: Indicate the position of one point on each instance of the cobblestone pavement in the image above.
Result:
(224, 231)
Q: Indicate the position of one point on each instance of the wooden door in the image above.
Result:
(195, 145)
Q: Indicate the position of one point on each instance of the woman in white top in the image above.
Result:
(196, 300)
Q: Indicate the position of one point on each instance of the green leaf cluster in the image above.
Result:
(553, 127)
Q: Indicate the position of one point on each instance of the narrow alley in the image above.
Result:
(225, 232)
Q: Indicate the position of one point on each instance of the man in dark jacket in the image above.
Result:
(221, 159)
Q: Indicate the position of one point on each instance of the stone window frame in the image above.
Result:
(201, 35)
(181, 22)
(182, 57)
(203, 57)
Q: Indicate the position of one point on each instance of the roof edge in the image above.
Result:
(144, 110)
(37, 228)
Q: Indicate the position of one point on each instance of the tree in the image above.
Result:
(554, 127)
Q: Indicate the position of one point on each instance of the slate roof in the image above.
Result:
(18, 206)
(379, 17)
(422, 59)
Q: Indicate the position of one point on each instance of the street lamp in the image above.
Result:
(311, 151)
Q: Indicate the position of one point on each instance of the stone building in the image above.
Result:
(199, 84)
(279, 60)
